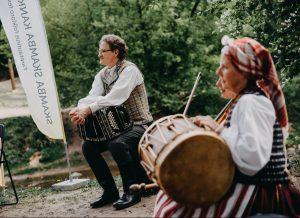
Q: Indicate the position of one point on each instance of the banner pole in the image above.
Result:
(68, 160)
(64, 137)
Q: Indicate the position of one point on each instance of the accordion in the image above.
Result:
(105, 124)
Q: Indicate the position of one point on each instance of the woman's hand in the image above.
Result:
(206, 121)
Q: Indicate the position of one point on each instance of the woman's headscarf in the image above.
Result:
(255, 62)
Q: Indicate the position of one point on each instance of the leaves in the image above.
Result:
(168, 44)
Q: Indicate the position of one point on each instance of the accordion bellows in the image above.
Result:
(106, 124)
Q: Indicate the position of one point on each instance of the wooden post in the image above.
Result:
(11, 75)
(2, 180)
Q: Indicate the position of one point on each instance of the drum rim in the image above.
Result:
(153, 125)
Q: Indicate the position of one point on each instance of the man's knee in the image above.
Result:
(117, 147)
(87, 148)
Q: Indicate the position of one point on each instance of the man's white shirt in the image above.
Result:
(129, 78)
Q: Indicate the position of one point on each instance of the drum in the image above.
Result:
(192, 165)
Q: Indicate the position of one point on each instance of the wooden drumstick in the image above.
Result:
(191, 95)
(220, 117)
(140, 187)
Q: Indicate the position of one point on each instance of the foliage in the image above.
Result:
(294, 136)
(76, 159)
(170, 41)
(292, 96)
(295, 164)
(168, 45)
(5, 53)
(273, 23)
(22, 139)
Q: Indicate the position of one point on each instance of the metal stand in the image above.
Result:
(72, 183)
(4, 161)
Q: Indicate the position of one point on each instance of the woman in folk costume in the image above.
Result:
(255, 130)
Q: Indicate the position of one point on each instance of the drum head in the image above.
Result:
(196, 168)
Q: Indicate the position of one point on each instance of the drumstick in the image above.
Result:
(192, 93)
(135, 188)
(219, 117)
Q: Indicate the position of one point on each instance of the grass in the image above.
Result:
(7, 195)
(76, 159)
(295, 163)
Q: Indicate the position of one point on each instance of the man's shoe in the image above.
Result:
(104, 200)
(127, 200)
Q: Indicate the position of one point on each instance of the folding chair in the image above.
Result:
(3, 161)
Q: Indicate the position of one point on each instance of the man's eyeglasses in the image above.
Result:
(104, 50)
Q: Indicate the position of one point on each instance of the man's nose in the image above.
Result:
(218, 83)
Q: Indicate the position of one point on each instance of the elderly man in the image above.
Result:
(119, 82)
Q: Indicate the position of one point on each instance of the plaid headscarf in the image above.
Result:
(255, 62)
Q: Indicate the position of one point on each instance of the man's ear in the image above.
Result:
(116, 52)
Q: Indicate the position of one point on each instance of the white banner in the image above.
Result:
(24, 26)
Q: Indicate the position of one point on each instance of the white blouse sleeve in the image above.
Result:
(121, 90)
(96, 90)
(250, 135)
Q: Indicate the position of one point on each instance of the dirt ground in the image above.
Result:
(41, 203)
(73, 204)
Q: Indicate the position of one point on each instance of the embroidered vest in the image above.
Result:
(273, 172)
(137, 103)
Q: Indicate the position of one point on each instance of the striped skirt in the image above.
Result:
(240, 201)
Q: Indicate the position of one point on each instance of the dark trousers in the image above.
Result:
(124, 150)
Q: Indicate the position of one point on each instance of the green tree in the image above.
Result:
(5, 53)
(273, 23)
(164, 40)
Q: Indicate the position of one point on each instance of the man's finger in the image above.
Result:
(82, 121)
(73, 112)
(75, 119)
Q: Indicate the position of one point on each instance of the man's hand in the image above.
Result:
(77, 119)
(73, 112)
(84, 112)
(78, 115)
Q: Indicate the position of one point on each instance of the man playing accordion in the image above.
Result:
(120, 82)
(255, 130)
